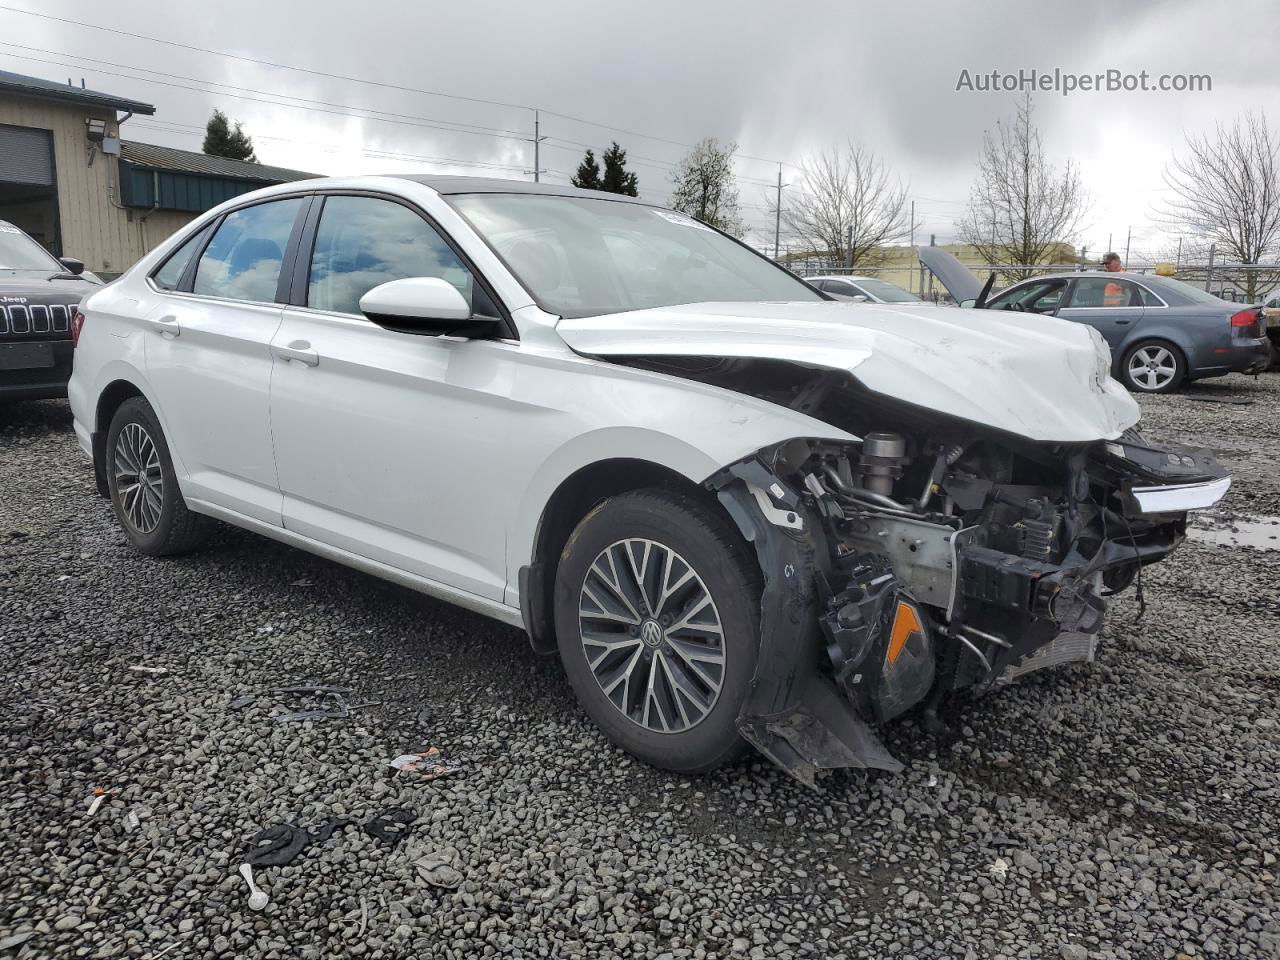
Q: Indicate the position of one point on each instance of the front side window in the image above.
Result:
(1042, 297)
(362, 242)
(243, 260)
(1096, 292)
(170, 275)
(582, 257)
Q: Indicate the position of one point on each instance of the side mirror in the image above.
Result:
(423, 305)
(968, 303)
(859, 298)
(72, 264)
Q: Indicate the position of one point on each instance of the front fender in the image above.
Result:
(580, 411)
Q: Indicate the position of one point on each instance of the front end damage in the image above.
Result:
(935, 556)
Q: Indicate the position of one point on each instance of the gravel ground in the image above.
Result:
(1128, 809)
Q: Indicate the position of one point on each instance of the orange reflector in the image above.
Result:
(905, 622)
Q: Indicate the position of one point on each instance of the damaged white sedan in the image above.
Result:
(742, 512)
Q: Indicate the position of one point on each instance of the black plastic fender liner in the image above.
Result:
(792, 714)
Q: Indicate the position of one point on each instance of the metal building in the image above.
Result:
(68, 180)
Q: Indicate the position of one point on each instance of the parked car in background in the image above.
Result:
(1271, 316)
(863, 289)
(736, 508)
(38, 297)
(1162, 332)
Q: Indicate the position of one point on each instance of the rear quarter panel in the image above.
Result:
(1195, 330)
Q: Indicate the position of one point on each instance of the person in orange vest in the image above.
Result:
(1115, 294)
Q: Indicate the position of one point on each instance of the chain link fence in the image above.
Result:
(1238, 283)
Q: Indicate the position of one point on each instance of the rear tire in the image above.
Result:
(144, 488)
(692, 650)
(1153, 366)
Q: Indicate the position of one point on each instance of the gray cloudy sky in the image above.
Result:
(783, 80)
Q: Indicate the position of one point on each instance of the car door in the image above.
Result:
(391, 445)
(208, 357)
(1111, 305)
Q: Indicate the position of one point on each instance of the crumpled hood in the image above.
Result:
(1036, 376)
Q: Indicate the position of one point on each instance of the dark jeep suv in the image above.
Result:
(38, 299)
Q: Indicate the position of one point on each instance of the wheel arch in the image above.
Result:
(575, 497)
(110, 399)
(1161, 336)
(1171, 335)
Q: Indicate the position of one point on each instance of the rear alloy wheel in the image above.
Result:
(143, 487)
(657, 603)
(1153, 366)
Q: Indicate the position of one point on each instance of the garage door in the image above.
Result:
(26, 156)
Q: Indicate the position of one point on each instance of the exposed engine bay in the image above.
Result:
(932, 556)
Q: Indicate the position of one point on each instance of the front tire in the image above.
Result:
(1153, 366)
(657, 604)
(143, 486)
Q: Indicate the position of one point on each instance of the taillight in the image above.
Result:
(77, 322)
(1245, 318)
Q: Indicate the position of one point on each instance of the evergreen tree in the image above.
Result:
(616, 179)
(221, 139)
(588, 175)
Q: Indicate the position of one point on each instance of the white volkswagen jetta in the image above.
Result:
(738, 509)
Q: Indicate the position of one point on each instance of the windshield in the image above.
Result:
(20, 252)
(887, 291)
(581, 257)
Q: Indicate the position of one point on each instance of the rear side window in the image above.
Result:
(243, 260)
(170, 275)
(1149, 299)
(362, 242)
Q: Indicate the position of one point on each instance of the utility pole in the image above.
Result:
(1084, 256)
(1108, 250)
(1208, 274)
(1178, 264)
(777, 215)
(848, 245)
(1127, 237)
(913, 245)
(537, 170)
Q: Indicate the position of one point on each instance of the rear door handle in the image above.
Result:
(166, 326)
(299, 350)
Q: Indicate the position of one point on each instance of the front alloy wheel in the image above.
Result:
(657, 606)
(652, 635)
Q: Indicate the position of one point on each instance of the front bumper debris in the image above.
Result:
(793, 714)
(1179, 498)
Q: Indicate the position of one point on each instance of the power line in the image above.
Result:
(352, 79)
(255, 60)
(359, 113)
(194, 130)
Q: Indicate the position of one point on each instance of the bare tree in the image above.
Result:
(1226, 191)
(704, 186)
(847, 206)
(1021, 209)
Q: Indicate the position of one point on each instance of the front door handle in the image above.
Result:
(299, 350)
(166, 326)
